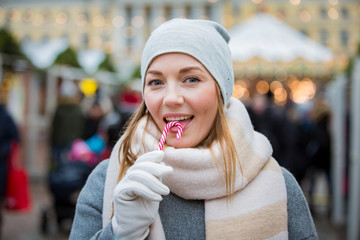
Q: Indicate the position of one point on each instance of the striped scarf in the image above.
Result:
(256, 210)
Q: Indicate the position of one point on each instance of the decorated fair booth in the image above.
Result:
(266, 50)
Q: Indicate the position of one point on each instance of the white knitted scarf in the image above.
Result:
(257, 209)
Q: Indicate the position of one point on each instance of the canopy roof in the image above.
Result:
(264, 36)
(43, 54)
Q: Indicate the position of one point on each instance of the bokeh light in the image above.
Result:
(99, 21)
(275, 85)
(302, 90)
(88, 86)
(118, 21)
(262, 87)
(61, 18)
(240, 90)
(333, 13)
(137, 21)
(305, 16)
(295, 2)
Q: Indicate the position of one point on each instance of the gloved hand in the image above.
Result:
(137, 196)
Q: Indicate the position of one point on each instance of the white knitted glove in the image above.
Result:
(137, 196)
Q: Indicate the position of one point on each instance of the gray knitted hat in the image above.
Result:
(205, 40)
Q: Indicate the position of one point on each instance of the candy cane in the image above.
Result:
(165, 132)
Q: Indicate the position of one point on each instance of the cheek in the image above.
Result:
(153, 105)
(209, 102)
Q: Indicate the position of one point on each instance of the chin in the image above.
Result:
(180, 143)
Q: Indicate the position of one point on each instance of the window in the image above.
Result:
(323, 13)
(344, 35)
(167, 12)
(147, 16)
(236, 10)
(187, 11)
(324, 36)
(84, 40)
(344, 13)
(207, 11)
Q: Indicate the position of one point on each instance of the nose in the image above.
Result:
(173, 96)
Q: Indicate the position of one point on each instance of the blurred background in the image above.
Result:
(70, 72)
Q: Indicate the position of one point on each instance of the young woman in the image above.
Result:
(218, 181)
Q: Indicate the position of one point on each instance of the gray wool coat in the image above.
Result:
(181, 219)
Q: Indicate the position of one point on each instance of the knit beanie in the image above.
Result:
(205, 40)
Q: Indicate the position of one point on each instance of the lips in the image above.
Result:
(183, 119)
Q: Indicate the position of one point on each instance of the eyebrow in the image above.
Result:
(183, 70)
(154, 72)
(188, 69)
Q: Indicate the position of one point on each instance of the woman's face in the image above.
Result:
(179, 88)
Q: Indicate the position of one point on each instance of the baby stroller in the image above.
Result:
(71, 166)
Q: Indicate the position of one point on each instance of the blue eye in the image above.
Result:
(192, 80)
(155, 83)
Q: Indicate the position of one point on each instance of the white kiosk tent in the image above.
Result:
(272, 40)
(265, 44)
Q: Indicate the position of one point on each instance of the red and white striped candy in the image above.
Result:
(166, 130)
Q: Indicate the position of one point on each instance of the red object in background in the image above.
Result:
(17, 196)
(131, 97)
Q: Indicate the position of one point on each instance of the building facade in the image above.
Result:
(120, 27)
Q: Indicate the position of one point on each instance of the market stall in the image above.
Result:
(265, 48)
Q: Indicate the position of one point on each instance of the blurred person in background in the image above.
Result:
(101, 117)
(68, 121)
(8, 134)
(296, 137)
(65, 177)
(95, 108)
(319, 147)
(269, 119)
(218, 181)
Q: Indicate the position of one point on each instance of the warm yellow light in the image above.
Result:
(275, 85)
(240, 90)
(256, 1)
(334, 2)
(279, 15)
(7, 81)
(107, 47)
(61, 18)
(137, 21)
(118, 21)
(96, 42)
(15, 15)
(88, 86)
(292, 82)
(295, 2)
(280, 96)
(99, 21)
(302, 91)
(305, 16)
(228, 20)
(262, 87)
(333, 13)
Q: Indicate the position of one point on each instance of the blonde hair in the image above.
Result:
(221, 133)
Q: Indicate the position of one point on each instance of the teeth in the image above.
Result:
(177, 118)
